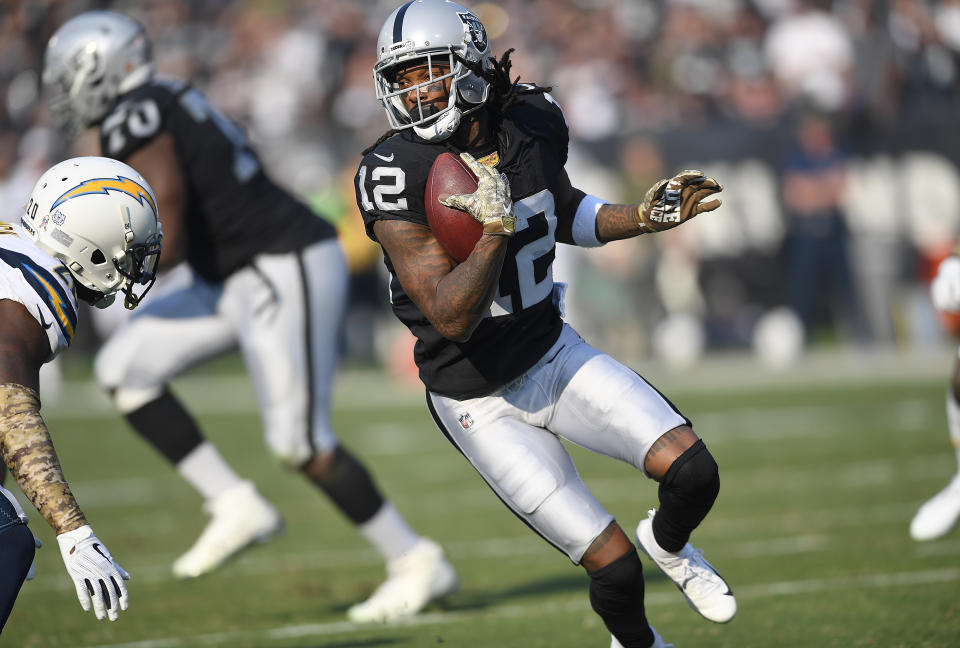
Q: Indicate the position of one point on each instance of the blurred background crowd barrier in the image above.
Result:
(834, 127)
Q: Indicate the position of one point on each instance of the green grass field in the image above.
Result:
(820, 478)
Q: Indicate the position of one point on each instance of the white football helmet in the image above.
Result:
(432, 31)
(90, 60)
(99, 217)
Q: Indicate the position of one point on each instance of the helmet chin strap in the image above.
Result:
(442, 128)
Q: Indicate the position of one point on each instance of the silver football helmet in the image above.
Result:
(431, 31)
(90, 60)
(99, 217)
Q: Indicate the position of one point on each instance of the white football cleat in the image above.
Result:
(701, 585)
(240, 517)
(419, 576)
(657, 641)
(939, 514)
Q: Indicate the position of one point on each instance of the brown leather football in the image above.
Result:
(457, 231)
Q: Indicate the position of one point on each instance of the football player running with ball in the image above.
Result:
(264, 274)
(507, 380)
(939, 515)
(89, 230)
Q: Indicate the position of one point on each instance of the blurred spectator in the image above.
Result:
(811, 56)
(649, 88)
(818, 269)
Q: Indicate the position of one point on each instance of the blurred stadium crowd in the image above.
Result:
(834, 126)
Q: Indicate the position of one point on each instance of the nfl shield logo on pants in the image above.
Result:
(466, 421)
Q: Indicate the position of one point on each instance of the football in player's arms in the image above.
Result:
(456, 230)
(506, 378)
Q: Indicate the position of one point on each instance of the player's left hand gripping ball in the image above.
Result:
(490, 203)
(96, 577)
(671, 202)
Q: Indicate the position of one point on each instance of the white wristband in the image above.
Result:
(585, 222)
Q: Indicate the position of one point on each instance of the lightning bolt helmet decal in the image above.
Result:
(102, 185)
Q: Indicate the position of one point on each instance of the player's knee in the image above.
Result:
(693, 478)
(287, 440)
(616, 594)
(109, 367)
(113, 370)
(293, 455)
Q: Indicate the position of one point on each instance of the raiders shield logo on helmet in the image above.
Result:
(477, 33)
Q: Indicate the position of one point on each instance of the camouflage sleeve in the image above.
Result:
(27, 450)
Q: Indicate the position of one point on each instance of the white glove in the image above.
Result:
(95, 575)
(945, 287)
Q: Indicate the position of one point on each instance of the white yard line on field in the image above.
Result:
(578, 604)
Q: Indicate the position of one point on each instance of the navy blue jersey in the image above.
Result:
(523, 322)
(232, 210)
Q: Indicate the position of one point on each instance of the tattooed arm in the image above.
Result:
(453, 297)
(25, 443)
(666, 204)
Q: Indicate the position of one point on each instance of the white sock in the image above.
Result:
(953, 422)
(389, 532)
(207, 471)
(653, 546)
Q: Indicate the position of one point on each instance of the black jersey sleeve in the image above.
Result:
(391, 181)
(539, 115)
(138, 117)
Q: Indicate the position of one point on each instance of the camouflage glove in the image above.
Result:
(671, 202)
(490, 204)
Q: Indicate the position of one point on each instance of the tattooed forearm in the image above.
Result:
(28, 451)
(453, 297)
(465, 294)
(615, 222)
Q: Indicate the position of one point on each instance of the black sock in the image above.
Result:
(616, 594)
(348, 483)
(167, 426)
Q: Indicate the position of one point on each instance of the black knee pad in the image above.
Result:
(167, 426)
(694, 477)
(350, 486)
(687, 494)
(616, 594)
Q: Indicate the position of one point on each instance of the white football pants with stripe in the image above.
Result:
(283, 312)
(513, 436)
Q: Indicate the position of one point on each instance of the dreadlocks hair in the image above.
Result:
(504, 93)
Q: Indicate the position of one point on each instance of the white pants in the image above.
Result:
(283, 312)
(513, 436)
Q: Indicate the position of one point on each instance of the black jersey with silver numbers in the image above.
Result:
(232, 209)
(522, 323)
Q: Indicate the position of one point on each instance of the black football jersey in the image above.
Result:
(523, 322)
(233, 210)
